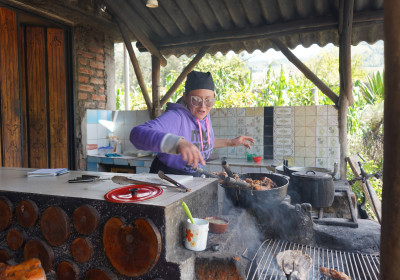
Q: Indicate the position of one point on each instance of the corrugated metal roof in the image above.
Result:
(182, 27)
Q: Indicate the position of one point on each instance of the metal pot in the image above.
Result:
(253, 199)
(313, 187)
(284, 169)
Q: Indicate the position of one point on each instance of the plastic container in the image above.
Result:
(105, 150)
(257, 159)
(195, 235)
(250, 157)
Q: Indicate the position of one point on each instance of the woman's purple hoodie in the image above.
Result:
(162, 134)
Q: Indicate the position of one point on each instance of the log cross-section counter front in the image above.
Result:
(75, 231)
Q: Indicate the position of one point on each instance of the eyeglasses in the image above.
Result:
(198, 101)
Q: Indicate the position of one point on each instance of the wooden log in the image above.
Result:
(132, 250)
(27, 213)
(36, 248)
(117, 8)
(15, 239)
(390, 245)
(5, 255)
(306, 71)
(99, 274)
(86, 219)
(81, 250)
(135, 64)
(155, 77)
(55, 225)
(183, 75)
(6, 210)
(67, 271)
(28, 270)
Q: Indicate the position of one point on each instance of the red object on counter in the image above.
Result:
(257, 159)
(133, 193)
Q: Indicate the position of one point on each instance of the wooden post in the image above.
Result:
(390, 245)
(346, 86)
(155, 77)
(183, 75)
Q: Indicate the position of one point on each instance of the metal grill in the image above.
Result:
(358, 266)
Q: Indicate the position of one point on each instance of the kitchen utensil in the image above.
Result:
(177, 184)
(313, 187)
(87, 178)
(122, 180)
(187, 211)
(253, 199)
(227, 169)
(217, 225)
(133, 193)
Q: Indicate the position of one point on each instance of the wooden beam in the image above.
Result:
(118, 8)
(346, 86)
(264, 32)
(390, 245)
(183, 75)
(155, 77)
(135, 63)
(306, 71)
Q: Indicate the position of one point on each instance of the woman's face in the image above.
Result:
(200, 102)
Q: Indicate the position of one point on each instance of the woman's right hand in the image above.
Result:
(190, 153)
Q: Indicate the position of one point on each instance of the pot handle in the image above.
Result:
(308, 171)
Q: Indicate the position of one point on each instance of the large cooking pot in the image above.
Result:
(252, 199)
(313, 187)
(284, 169)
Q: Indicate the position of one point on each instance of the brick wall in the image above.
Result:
(93, 81)
(91, 91)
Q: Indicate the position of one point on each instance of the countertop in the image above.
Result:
(16, 180)
(231, 161)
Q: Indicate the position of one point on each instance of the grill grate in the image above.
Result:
(358, 266)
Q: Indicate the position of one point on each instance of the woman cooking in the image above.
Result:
(183, 135)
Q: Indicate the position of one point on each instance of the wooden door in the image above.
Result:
(57, 98)
(33, 94)
(36, 92)
(46, 95)
(11, 152)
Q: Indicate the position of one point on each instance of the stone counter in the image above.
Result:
(164, 212)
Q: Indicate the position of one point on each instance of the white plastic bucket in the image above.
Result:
(195, 235)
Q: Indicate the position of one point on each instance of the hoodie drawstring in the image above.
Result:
(201, 134)
(208, 133)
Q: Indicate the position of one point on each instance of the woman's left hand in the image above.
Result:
(242, 140)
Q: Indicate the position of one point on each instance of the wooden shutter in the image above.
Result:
(36, 92)
(57, 98)
(9, 90)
